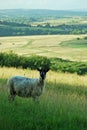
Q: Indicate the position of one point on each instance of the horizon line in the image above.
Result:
(83, 10)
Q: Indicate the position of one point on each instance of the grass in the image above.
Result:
(82, 43)
(63, 106)
(49, 46)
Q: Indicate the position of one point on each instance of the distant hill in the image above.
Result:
(40, 13)
(21, 22)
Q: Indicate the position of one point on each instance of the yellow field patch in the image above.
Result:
(46, 45)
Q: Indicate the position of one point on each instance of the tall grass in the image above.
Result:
(63, 106)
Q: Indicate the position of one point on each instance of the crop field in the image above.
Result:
(59, 21)
(63, 106)
(62, 46)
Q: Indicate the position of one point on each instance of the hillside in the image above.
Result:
(20, 22)
(40, 13)
(62, 106)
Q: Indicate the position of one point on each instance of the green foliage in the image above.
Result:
(20, 29)
(9, 59)
(78, 38)
(85, 37)
(33, 62)
(61, 65)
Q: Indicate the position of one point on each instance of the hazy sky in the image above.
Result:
(43, 4)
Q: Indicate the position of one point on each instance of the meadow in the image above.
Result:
(63, 106)
(46, 45)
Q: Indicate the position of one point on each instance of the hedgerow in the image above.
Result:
(13, 60)
(33, 62)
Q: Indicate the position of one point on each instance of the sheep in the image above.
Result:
(27, 87)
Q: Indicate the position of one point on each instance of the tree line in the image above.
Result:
(21, 29)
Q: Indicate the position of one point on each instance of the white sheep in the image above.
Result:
(27, 87)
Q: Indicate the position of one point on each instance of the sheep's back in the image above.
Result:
(20, 82)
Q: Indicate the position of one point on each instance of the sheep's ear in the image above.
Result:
(38, 69)
(47, 69)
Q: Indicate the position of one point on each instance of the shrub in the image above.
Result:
(78, 38)
(61, 65)
(85, 37)
(13, 60)
(9, 59)
(33, 62)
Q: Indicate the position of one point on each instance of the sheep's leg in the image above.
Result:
(12, 95)
(36, 99)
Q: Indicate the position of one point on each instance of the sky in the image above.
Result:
(44, 4)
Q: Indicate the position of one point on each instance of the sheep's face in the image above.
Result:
(43, 72)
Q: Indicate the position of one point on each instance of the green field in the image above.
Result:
(61, 46)
(82, 43)
(63, 106)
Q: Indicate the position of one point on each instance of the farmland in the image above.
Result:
(63, 106)
(50, 46)
(42, 22)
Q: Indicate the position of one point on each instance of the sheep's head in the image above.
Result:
(43, 72)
